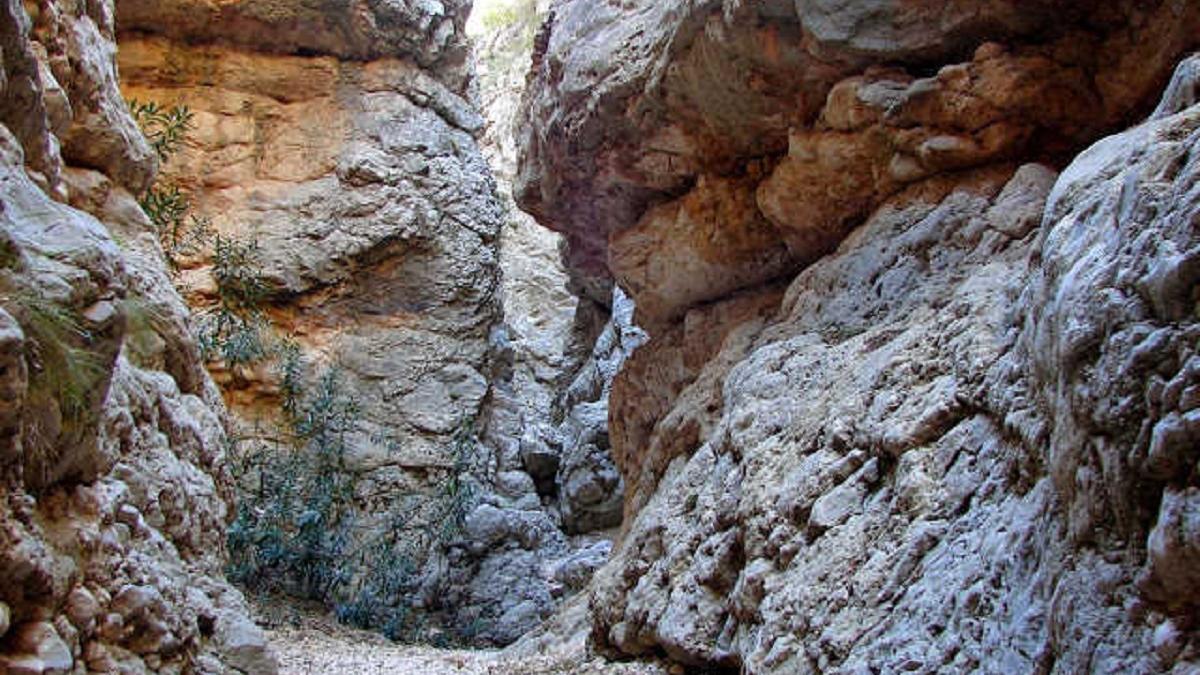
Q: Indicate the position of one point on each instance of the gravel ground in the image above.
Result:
(310, 644)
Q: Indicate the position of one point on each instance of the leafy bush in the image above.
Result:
(299, 530)
(233, 331)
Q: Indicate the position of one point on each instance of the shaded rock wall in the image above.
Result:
(549, 410)
(114, 494)
(912, 399)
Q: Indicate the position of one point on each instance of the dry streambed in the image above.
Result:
(318, 646)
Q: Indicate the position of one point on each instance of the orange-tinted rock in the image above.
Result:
(631, 104)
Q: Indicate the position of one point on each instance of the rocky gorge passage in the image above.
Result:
(338, 165)
(346, 149)
(872, 352)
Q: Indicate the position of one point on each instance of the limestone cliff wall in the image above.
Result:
(343, 144)
(344, 140)
(914, 393)
(114, 494)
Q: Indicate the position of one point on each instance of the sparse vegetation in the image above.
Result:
(180, 233)
(233, 331)
(501, 15)
(298, 529)
(63, 373)
(164, 127)
(144, 324)
(302, 528)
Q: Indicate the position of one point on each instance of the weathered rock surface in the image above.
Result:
(687, 107)
(532, 541)
(343, 144)
(958, 440)
(344, 141)
(430, 33)
(113, 490)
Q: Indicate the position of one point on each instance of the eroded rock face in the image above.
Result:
(344, 146)
(544, 525)
(914, 420)
(675, 105)
(430, 32)
(344, 141)
(959, 438)
(113, 489)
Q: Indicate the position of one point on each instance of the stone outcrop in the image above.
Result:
(915, 396)
(705, 111)
(344, 141)
(343, 144)
(537, 534)
(114, 494)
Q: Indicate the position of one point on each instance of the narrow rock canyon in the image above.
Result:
(586, 336)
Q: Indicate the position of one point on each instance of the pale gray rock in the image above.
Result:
(962, 443)
(241, 647)
(80, 41)
(590, 487)
(115, 478)
(37, 649)
(574, 571)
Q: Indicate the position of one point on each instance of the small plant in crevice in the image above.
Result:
(145, 324)
(165, 127)
(180, 233)
(234, 330)
(63, 373)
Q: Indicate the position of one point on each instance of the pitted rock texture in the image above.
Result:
(113, 490)
(353, 154)
(954, 421)
(816, 112)
(949, 424)
(533, 540)
(913, 399)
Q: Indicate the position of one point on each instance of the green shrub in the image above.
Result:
(299, 530)
(164, 127)
(180, 233)
(234, 331)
